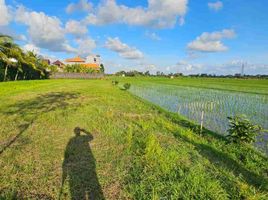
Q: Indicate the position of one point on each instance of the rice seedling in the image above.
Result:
(216, 105)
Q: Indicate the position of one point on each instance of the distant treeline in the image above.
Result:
(162, 74)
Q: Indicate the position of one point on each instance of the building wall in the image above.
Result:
(93, 59)
(67, 75)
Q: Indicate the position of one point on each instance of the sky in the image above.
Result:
(186, 36)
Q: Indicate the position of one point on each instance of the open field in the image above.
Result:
(71, 139)
(253, 86)
(201, 98)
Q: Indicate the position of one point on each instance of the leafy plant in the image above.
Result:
(15, 64)
(78, 68)
(102, 69)
(126, 86)
(115, 82)
(242, 130)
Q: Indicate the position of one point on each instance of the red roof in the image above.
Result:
(58, 63)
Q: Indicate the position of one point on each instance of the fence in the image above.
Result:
(65, 75)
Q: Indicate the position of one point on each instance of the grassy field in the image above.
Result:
(255, 86)
(77, 139)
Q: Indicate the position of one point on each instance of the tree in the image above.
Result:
(147, 73)
(18, 64)
(10, 53)
(102, 68)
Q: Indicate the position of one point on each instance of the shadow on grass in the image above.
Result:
(6, 144)
(194, 127)
(221, 159)
(216, 156)
(42, 103)
(29, 111)
(79, 168)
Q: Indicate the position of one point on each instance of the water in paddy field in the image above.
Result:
(217, 105)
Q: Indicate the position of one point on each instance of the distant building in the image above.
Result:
(91, 61)
(58, 63)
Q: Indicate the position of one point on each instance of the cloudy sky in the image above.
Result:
(188, 36)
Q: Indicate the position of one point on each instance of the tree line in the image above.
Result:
(162, 74)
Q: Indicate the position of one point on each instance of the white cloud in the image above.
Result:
(8, 31)
(75, 27)
(211, 42)
(85, 46)
(82, 5)
(5, 16)
(216, 6)
(31, 47)
(44, 31)
(159, 13)
(152, 36)
(187, 68)
(235, 66)
(123, 49)
(229, 67)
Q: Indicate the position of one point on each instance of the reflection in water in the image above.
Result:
(79, 168)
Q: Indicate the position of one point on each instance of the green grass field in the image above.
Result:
(88, 139)
(255, 86)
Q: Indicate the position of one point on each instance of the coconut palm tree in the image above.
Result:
(27, 64)
(10, 53)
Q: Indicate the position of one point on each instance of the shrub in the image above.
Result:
(78, 68)
(126, 86)
(115, 82)
(242, 130)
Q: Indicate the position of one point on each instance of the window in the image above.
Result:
(95, 60)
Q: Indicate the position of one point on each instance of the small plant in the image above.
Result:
(115, 82)
(242, 130)
(126, 86)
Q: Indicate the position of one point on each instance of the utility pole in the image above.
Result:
(243, 69)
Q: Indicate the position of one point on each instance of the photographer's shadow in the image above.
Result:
(79, 167)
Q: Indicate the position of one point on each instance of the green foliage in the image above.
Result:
(102, 69)
(53, 68)
(115, 82)
(242, 130)
(18, 65)
(127, 86)
(77, 68)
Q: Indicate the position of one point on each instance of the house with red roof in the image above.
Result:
(91, 61)
(58, 63)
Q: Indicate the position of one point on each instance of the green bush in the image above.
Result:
(242, 130)
(126, 86)
(77, 68)
(115, 82)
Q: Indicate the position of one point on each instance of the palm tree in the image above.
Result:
(10, 53)
(27, 63)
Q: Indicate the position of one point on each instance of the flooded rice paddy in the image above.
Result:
(216, 105)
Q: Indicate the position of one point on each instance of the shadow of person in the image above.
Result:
(79, 168)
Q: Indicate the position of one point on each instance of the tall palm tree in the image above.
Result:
(9, 52)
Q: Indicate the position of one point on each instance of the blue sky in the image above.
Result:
(188, 36)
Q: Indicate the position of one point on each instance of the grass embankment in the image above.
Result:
(127, 149)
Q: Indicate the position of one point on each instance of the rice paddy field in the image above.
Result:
(89, 139)
(216, 105)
